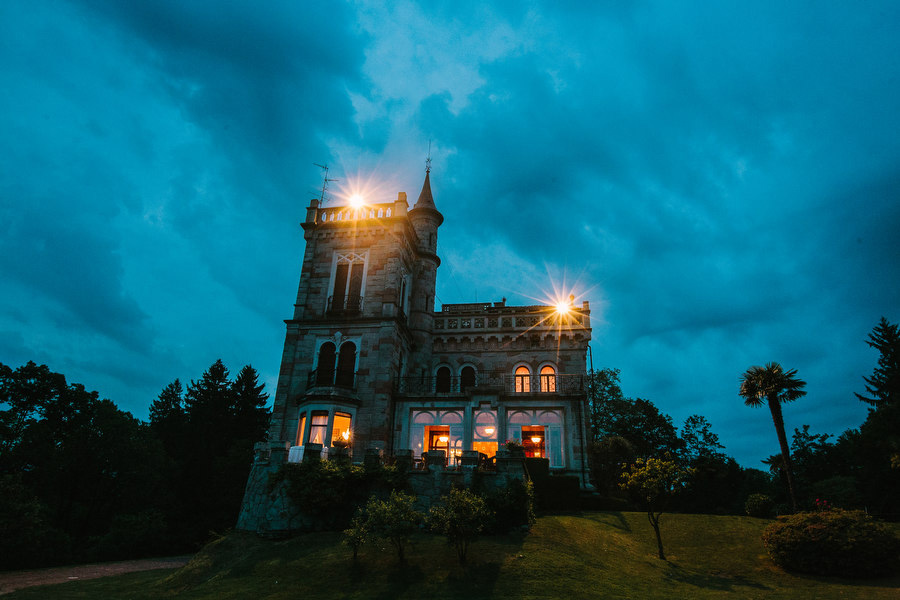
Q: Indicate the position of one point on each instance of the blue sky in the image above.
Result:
(720, 180)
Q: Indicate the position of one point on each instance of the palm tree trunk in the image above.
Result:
(775, 408)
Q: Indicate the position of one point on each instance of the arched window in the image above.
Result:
(523, 379)
(466, 378)
(325, 366)
(346, 365)
(442, 380)
(548, 379)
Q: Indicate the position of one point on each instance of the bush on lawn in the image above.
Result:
(759, 505)
(847, 543)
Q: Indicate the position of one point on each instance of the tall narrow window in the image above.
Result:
(340, 287)
(349, 276)
(548, 379)
(523, 380)
(442, 380)
(317, 426)
(346, 365)
(466, 378)
(300, 428)
(325, 366)
(354, 291)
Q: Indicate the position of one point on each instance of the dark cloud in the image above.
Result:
(719, 183)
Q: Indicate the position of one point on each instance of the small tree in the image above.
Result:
(460, 519)
(393, 519)
(358, 533)
(655, 481)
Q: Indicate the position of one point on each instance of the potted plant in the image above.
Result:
(515, 447)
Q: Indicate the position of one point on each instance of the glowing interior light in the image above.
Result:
(356, 201)
(346, 435)
(488, 431)
(536, 440)
(443, 439)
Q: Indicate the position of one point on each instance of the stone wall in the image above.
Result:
(271, 513)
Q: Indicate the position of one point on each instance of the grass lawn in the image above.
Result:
(589, 555)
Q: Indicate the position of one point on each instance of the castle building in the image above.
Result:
(369, 362)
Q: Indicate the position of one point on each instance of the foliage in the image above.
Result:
(883, 386)
(608, 457)
(394, 520)
(460, 517)
(514, 445)
(510, 507)
(773, 385)
(759, 505)
(358, 533)
(650, 432)
(329, 492)
(655, 481)
(81, 461)
(208, 432)
(698, 441)
(832, 542)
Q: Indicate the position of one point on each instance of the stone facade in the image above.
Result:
(367, 361)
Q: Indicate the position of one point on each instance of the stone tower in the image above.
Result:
(362, 318)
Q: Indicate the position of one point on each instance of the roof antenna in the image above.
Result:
(428, 160)
(325, 180)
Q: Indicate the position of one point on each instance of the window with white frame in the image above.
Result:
(523, 379)
(541, 433)
(348, 282)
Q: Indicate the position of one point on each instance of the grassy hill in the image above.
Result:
(591, 555)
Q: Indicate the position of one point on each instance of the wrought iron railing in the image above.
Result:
(344, 305)
(331, 378)
(564, 383)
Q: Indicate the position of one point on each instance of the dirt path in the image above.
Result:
(15, 580)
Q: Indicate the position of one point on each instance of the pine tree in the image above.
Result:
(249, 410)
(884, 384)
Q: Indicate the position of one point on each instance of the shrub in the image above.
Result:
(511, 506)
(832, 542)
(358, 533)
(460, 518)
(759, 505)
(330, 492)
(393, 519)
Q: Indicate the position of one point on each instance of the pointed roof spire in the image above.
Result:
(426, 200)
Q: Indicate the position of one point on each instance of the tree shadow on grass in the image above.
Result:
(614, 519)
(710, 581)
(474, 580)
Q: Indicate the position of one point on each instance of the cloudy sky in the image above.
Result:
(719, 179)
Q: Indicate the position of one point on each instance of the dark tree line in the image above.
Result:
(860, 469)
(82, 480)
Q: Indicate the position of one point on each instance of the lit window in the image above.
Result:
(548, 379)
(317, 426)
(533, 439)
(300, 427)
(340, 430)
(523, 380)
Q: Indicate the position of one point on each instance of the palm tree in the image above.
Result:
(775, 386)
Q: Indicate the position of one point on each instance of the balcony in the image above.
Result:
(343, 306)
(331, 378)
(563, 384)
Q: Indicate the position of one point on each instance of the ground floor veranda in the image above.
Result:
(467, 430)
